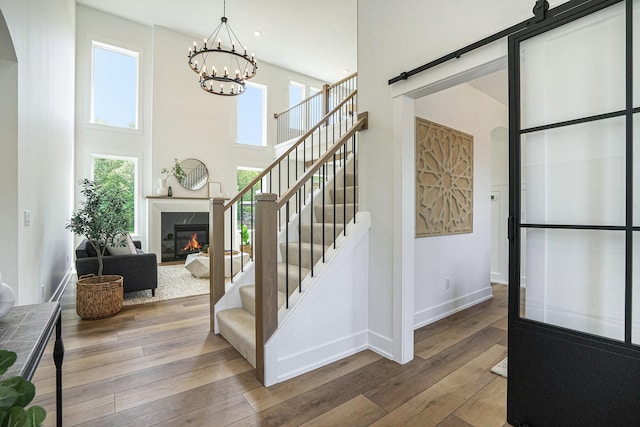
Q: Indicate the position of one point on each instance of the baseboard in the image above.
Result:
(62, 286)
(440, 311)
(325, 354)
(381, 345)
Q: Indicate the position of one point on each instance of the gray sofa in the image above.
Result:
(140, 271)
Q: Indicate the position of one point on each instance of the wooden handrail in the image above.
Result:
(264, 173)
(361, 124)
(331, 86)
(276, 115)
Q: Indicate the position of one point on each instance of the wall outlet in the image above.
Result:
(447, 283)
(42, 290)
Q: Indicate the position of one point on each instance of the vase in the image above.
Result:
(7, 298)
(162, 187)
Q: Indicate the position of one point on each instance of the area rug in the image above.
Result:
(500, 368)
(174, 281)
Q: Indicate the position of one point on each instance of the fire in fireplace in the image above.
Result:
(190, 238)
(192, 244)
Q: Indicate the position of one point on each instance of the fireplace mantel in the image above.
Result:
(158, 204)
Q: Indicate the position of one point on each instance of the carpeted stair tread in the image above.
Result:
(329, 214)
(238, 326)
(248, 297)
(305, 232)
(301, 253)
(338, 196)
(293, 277)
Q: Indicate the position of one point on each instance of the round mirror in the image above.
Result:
(194, 174)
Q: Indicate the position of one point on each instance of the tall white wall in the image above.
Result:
(394, 37)
(92, 139)
(177, 119)
(464, 259)
(43, 36)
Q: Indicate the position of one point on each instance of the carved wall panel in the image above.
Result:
(444, 180)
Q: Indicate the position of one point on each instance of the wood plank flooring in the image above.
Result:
(158, 365)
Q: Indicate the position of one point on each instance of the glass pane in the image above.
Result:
(115, 87)
(575, 279)
(635, 313)
(251, 116)
(636, 53)
(636, 170)
(558, 65)
(121, 175)
(575, 174)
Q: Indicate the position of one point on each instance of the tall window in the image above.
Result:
(296, 115)
(114, 86)
(296, 93)
(120, 173)
(246, 212)
(252, 114)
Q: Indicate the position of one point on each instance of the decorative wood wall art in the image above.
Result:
(444, 180)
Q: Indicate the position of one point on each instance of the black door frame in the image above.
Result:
(559, 376)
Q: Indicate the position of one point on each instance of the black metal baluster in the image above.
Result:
(335, 177)
(324, 224)
(299, 244)
(355, 176)
(286, 262)
(231, 232)
(311, 223)
(344, 185)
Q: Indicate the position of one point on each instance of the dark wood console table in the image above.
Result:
(26, 331)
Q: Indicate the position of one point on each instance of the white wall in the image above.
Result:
(464, 259)
(92, 139)
(187, 122)
(177, 119)
(43, 35)
(395, 37)
(499, 205)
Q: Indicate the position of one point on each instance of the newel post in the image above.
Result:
(266, 258)
(216, 254)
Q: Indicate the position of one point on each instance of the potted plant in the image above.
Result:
(176, 171)
(102, 221)
(245, 245)
(15, 394)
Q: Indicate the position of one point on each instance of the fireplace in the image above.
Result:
(178, 230)
(189, 238)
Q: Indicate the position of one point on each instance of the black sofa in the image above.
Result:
(140, 271)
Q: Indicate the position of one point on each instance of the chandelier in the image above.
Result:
(222, 61)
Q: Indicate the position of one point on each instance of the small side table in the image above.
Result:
(25, 330)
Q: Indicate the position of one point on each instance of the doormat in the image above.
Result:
(500, 368)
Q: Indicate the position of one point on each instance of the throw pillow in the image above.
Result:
(123, 245)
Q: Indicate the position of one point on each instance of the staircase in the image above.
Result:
(304, 209)
(238, 325)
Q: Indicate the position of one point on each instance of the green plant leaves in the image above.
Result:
(8, 397)
(7, 359)
(35, 416)
(15, 394)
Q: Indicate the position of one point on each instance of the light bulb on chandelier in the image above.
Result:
(222, 57)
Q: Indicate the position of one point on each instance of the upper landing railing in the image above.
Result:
(297, 120)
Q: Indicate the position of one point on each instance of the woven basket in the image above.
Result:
(97, 299)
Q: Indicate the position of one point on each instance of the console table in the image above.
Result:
(25, 330)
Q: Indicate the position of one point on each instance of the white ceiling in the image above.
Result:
(314, 38)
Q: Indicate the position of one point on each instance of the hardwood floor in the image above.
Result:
(158, 365)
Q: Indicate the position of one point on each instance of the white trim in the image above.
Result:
(440, 311)
(381, 345)
(62, 286)
(316, 357)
